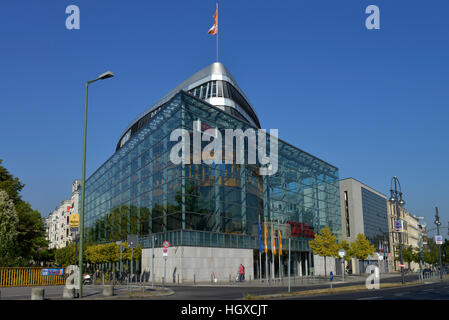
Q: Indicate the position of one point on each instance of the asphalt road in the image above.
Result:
(236, 291)
(433, 291)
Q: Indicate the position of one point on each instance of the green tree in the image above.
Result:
(10, 184)
(65, 256)
(431, 255)
(325, 245)
(361, 248)
(30, 228)
(8, 229)
(409, 255)
(347, 247)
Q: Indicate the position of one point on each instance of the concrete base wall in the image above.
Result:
(186, 262)
(319, 265)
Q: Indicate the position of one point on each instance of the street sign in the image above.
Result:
(166, 244)
(399, 225)
(74, 220)
(401, 265)
(132, 241)
(439, 239)
(341, 253)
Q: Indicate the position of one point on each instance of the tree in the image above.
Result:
(65, 256)
(361, 248)
(325, 245)
(431, 255)
(8, 229)
(347, 247)
(409, 255)
(30, 228)
(10, 184)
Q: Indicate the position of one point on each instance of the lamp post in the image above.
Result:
(396, 199)
(105, 75)
(438, 223)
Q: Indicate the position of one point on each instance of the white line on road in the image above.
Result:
(369, 298)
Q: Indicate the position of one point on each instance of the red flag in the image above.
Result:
(214, 29)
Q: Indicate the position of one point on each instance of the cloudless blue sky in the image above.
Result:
(374, 103)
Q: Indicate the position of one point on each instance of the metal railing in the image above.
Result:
(22, 277)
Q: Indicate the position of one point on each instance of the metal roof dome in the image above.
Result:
(215, 85)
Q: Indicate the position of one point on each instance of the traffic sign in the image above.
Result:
(332, 276)
(132, 241)
(165, 250)
(380, 256)
(439, 239)
(341, 253)
(166, 244)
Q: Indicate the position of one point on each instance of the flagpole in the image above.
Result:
(279, 248)
(260, 252)
(266, 252)
(217, 31)
(272, 250)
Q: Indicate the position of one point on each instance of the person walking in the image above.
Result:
(241, 273)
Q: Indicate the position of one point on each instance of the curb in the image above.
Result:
(327, 292)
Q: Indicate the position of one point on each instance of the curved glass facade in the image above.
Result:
(140, 191)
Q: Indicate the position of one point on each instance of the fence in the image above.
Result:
(23, 277)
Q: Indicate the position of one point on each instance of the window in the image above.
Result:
(219, 88)
(214, 89)
(348, 229)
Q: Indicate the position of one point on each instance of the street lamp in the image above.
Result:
(106, 75)
(396, 199)
(438, 223)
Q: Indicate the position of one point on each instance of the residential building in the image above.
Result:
(413, 230)
(57, 223)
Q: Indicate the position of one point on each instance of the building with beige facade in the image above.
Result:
(413, 230)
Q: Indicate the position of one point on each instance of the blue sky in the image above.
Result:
(374, 103)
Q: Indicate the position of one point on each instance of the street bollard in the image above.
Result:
(229, 278)
(178, 278)
(194, 280)
(68, 293)
(108, 290)
(37, 294)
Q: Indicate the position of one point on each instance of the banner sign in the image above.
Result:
(399, 225)
(74, 220)
(302, 230)
(52, 272)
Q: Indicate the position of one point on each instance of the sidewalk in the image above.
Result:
(277, 282)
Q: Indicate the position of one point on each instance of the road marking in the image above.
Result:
(369, 298)
(400, 294)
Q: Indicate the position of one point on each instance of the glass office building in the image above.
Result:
(140, 191)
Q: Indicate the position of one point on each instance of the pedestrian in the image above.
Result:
(241, 272)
